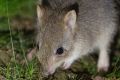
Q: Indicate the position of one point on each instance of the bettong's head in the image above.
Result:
(55, 38)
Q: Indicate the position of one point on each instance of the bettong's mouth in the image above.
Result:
(51, 71)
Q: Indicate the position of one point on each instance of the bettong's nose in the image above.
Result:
(48, 71)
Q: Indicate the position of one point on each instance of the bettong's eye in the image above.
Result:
(60, 51)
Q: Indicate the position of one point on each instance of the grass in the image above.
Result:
(16, 43)
(16, 70)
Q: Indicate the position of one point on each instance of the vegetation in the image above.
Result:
(15, 43)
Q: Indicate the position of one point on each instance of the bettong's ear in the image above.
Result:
(70, 20)
(40, 12)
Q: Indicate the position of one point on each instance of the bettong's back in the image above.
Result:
(97, 15)
(97, 20)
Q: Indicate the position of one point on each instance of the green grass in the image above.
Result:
(15, 69)
(11, 9)
(22, 7)
(15, 41)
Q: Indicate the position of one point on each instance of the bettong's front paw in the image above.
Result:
(67, 64)
(103, 67)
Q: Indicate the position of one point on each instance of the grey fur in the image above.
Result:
(95, 28)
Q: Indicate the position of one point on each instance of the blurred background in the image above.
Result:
(17, 33)
(17, 22)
